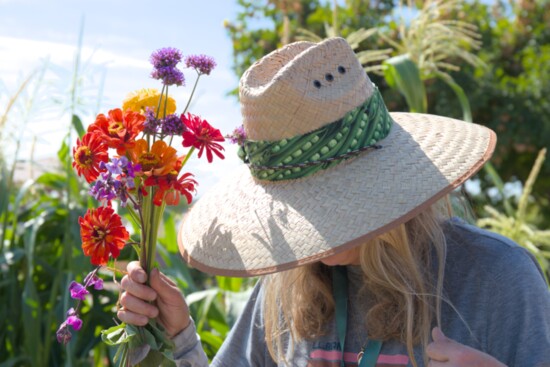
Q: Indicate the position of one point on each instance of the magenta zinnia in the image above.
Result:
(103, 234)
(202, 136)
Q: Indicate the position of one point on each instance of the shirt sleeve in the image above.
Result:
(245, 344)
(188, 349)
(519, 334)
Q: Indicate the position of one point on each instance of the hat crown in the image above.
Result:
(301, 87)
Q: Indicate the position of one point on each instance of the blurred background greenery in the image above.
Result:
(484, 61)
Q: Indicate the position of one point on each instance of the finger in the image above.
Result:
(438, 351)
(433, 363)
(138, 306)
(136, 272)
(139, 290)
(162, 284)
(438, 335)
(132, 318)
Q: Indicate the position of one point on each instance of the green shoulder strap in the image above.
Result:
(340, 293)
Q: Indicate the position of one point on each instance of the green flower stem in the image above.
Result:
(187, 156)
(146, 215)
(192, 93)
(152, 215)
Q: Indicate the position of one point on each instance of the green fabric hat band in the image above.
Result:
(303, 155)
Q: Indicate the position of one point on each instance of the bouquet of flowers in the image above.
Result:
(127, 156)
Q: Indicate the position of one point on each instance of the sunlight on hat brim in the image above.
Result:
(244, 227)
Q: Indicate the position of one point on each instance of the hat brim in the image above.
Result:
(245, 227)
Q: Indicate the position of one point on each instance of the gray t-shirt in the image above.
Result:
(500, 305)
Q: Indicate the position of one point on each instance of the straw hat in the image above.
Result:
(328, 168)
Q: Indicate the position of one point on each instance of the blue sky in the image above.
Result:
(119, 36)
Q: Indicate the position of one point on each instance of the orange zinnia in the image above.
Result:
(170, 187)
(158, 161)
(88, 154)
(119, 130)
(102, 234)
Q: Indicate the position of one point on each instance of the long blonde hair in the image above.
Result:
(398, 272)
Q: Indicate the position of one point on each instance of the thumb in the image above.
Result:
(157, 282)
(438, 335)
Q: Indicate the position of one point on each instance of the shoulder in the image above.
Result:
(478, 250)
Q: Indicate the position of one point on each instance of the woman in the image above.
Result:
(341, 206)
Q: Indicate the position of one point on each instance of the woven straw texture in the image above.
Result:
(279, 96)
(244, 227)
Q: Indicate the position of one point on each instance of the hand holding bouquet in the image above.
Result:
(129, 156)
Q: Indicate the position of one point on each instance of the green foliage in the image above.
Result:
(509, 95)
(521, 224)
(403, 74)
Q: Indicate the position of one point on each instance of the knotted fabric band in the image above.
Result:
(302, 155)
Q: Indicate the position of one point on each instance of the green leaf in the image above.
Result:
(77, 124)
(402, 74)
(137, 354)
(119, 334)
(229, 283)
(460, 94)
(53, 180)
(213, 340)
(64, 152)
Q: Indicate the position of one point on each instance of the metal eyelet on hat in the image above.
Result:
(317, 84)
(329, 77)
(341, 69)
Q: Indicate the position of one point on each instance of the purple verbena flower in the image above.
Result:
(202, 63)
(78, 291)
(131, 170)
(238, 136)
(151, 124)
(169, 75)
(116, 181)
(104, 188)
(172, 125)
(165, 57)
(116, 165)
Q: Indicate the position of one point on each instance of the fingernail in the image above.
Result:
(142, 277)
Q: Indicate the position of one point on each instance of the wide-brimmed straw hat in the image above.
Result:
(327, 167)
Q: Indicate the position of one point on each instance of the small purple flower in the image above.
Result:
(63, 334)
(131, 170)
(104, 188)
(116, 181)
(169, 75)
(116, 165)
(75, 322)
(202, 63)
(151, 124)
(93, 280)
(165, 57)
(78, 291)
(172, 125)
(238, 136)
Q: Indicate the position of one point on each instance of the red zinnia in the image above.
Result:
(202, 136)
(119, 130)
(102, 234)
(88, 154)
(170, 187)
